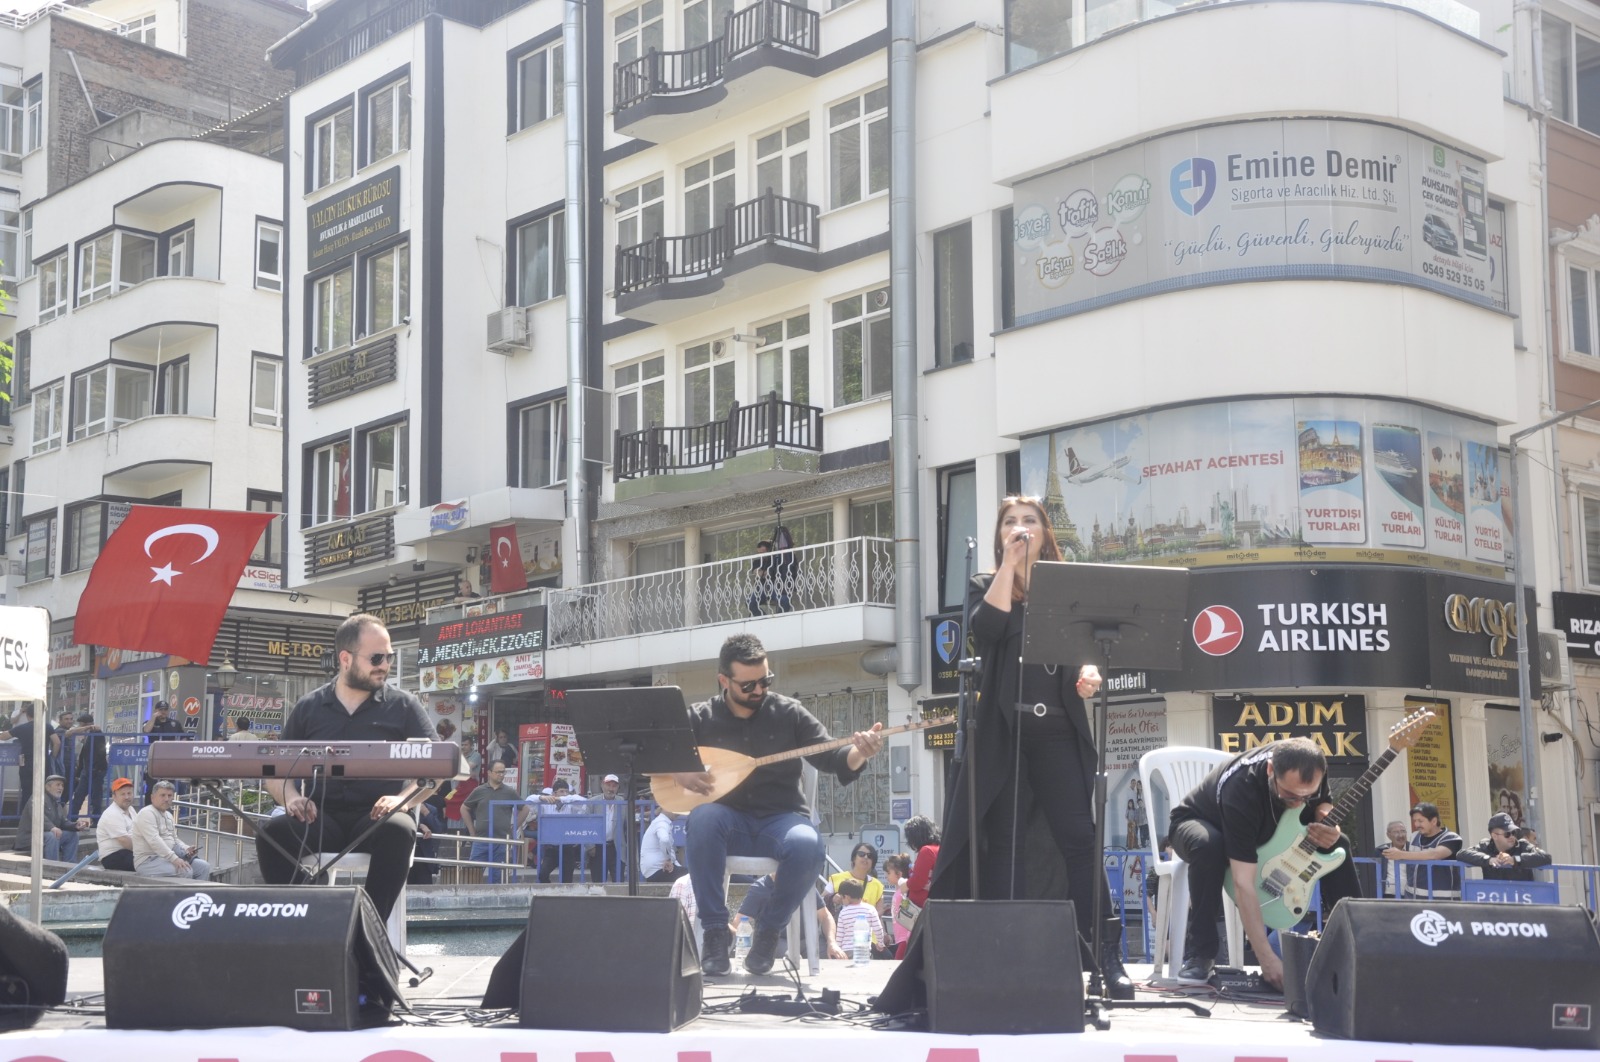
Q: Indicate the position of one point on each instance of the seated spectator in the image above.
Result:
(60, 831)
(114, 832)
(853, 910)
(157, 852)
(429, 822)
(1430, 842)
(1503, 856)
(683, 892)
(658, 853)
(863, 868)
(759, 897)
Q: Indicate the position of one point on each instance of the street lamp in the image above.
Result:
(227, 674)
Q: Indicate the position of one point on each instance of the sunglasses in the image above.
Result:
(377, 659)
(1290, 799)
(747, 688)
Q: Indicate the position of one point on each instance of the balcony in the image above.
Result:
(762, 243)
(766, 444)
(769, 48)
(837, 593)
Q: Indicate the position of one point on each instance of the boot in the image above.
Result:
(1118, 985)
(714, 946)
(763, 949)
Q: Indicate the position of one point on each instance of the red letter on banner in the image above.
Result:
(1149, 1058)
(953, 1054)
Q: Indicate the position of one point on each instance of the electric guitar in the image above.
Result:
(728, 769)
(1288, 865)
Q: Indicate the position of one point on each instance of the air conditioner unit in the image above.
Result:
(508, 330)
(1555, 666)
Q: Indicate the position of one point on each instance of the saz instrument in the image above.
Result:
(728, 769)
(1288, 865)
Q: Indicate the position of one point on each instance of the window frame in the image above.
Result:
(270, 547)
(701, 379)
(48, 517)
(369, 323)
(316, 491)
(72, 558)
(320, 344)
(635, 388)
(176, 241)
(175, 368)
(1565, 66)
(952, 582)
(363, 470)
(553, 90)
(55, 276)
(269, 281)
(257, 360)
(555, 431)
(318, 176)
(634, 35)
(1572, 261)
(138, 27)
(634, 210)
(33, 101)
(110, 420)
(49, 405)
(787, 154)
(868, 122)
(954, 322)
(869, 316)
(555, 221)
(789, 347)
(399, 107)
(117, 249)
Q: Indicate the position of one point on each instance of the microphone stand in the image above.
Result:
(968, 669)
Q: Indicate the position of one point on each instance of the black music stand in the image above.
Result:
(629, 730)
(1079, 612)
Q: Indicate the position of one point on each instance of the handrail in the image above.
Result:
(767, 424)
(768, 218)
(766, 23)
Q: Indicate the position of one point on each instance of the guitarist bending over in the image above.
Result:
(766, 815)
(1217, 829)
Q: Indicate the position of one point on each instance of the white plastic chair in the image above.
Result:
(1180, 769)
(355, 866)
(804, 919)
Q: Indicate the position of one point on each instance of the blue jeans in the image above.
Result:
(63, 848)
(489, 852)
(717, 832)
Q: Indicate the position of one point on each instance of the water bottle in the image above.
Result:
(862, 953)
(742, 940)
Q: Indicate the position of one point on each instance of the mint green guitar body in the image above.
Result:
(1287, 867)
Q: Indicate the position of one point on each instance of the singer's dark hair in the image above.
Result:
(1048, 550)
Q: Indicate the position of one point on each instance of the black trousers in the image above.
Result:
(390, 847)
(1052, 764)
(121, 859)
(1200, 844)
(568, 856)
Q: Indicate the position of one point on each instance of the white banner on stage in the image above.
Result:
(24, 653)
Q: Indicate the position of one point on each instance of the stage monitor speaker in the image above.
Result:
(308, 957)
(33, 971)
(1038, 988)
(1512, 975)
(607, 964)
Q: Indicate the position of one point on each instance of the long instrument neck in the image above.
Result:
(1357, 792)
(839, 743)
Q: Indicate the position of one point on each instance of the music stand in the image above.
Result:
(1079, 612)
(634, 729)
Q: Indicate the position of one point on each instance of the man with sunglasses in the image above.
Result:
(358, 705)
(1217, 829)
(767, 814)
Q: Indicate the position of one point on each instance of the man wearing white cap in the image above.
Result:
(603, 865)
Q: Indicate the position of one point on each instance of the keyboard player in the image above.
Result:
(323, 815)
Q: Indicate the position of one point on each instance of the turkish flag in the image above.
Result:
(506, 576)
(163, 580)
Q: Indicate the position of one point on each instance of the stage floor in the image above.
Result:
(445, 1028)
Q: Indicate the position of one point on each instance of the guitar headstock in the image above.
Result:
(1408, 731)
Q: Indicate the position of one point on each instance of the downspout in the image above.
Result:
(908, 618)
(576, 569)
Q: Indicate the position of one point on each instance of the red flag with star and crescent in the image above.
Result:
(506, 575)
(164, 578)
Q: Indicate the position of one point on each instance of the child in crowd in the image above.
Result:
(897, 868)
(853, 911)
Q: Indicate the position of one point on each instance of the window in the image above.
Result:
(386, 463)
(141, 29)
(707, 383)
(1005, 243)
(332, 322)
(172, 387)
(330, 482)
(542, 444)
(958, 521)
(861, 347)
(85, 532)
(5, 509)
(19, 479)
(388, 288)
(13, 119)
(331, 143)
(781, 160)
(41, 536)
(10, 236)
(1581, 310)
(1036, 30)
(33, 135)
(53, 282)
(389, 120)
(708, 192)
(113, 261)
(266, 392)
(858, 148)
(783, 359)
(48, 419)
(540, 85)
(638, 30)
(704, 20)
(1571, 73)
(1591, 540)
(641, 394)
(952, 295)
(269, 255)
(872, 519)
(178, 257)
(269, 550)
(21, 365)
(28, 268)
(640, 213)
(541, 259)
(109, 396)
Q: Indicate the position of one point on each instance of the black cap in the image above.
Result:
(1502, 821)
(162, 705)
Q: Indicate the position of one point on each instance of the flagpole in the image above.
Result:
(40, 770)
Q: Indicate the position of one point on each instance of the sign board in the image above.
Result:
(349, 545)
(342, 224)
(127, 754)
(1525, 892)
(571, 829)
(944, 653)
(352, 372)
(884, 836)
(24, 653)
(1578, 621)
(1431, 762)
(1337, 723)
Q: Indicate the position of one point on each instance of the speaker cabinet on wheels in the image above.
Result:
(1507, 974)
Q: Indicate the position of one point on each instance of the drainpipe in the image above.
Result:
(903, 323)
(577, 566)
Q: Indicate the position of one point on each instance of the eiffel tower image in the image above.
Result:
(1055, 507)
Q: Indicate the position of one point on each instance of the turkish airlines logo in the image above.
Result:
(1218, 630)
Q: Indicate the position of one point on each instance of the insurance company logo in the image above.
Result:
(1194, 182)
(1217, 630)
(947, 640)
(1078, 212)
(191, 909)
(1432, 928)
(1128, 198)
(1031, 227)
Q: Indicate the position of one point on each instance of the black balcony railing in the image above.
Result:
(766, 23)
(765, 425)
(768, 218)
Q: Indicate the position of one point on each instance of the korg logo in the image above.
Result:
(411, 751)
(1194, 182)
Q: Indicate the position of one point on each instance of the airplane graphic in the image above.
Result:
(1078, 472)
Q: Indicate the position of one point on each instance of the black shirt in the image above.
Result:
(387, 715)
(163, 728)
(781, 724)
(1237, 798)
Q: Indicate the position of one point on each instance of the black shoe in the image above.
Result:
(763, 947)
(1196, 971)
(1118, 985)
(714, 947)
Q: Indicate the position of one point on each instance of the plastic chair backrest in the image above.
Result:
(1180, 769)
